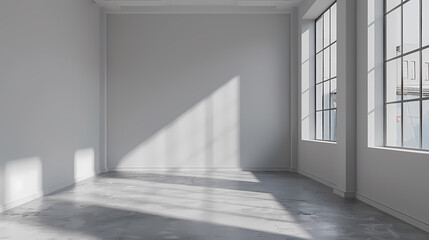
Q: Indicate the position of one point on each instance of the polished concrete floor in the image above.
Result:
(199, 206)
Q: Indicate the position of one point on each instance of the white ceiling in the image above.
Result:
(198, 6)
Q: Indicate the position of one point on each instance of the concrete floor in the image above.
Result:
(198, 205)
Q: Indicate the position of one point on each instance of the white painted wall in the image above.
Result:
(198, 91)
(49, 96)
(184, 91)
(331, 163)
(393, 180)
(315, 159)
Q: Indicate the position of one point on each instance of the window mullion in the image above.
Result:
(322, 78)
(384, 74)
(326, 45)
(402, 75)
(421, 75)
(330, 73)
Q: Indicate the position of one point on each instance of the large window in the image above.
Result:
(406, 56)
(326, 75)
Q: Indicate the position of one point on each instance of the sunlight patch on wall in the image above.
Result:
(375, 73)
(223, 138)
(22, 180)
(306, 103)
(205, 136)
(84, 164)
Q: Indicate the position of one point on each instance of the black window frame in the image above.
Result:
(330, 109)
(420, 73)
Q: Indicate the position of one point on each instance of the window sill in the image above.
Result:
(406, 150)
(319, 141)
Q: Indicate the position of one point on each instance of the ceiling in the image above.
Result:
(198, 6)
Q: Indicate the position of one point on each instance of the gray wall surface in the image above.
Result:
(316, 159)
(49, 96)
(395, 181)
(331, 163)
(198, 91)
(392, 180)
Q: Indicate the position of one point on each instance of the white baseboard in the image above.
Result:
(316, 178)
(19, 202)
(196, 169)
(404, 217)
(345, 195)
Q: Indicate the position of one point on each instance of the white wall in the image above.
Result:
(294, 90)
(315, 159)
(330, 163)
(198, 91)
(49, 96)
(393, 180)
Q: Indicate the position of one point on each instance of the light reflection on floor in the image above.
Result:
(200, 205)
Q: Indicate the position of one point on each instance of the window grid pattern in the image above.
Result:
(406, 74)
(326, 75)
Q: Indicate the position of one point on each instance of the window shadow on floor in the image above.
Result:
(59, 219)
(201, 205)
(309, 206)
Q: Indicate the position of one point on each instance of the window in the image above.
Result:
(406, 64)
(326, 75)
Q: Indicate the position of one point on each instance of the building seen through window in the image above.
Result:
(407, 74)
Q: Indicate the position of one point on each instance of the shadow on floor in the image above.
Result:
(310, 205)
(201, 205)
(54, 219)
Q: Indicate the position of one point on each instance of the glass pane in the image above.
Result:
(411, 25)
(319, 34)
(393, 34)
(412, 124)
(405, 69)
(333, 93)
(426, 71)
(334, 125)
(319, 96)
(326, 65)
(334, 60)
(326, 28)
(425, 129)
(334, 23)
(393, 80)
(426, 77)
(425, 16)
(326, 124)
(319, 125)
(319, 67)
(425, 65)
(393, 125)
(411, 72)
(326, 95)
(390, 4)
